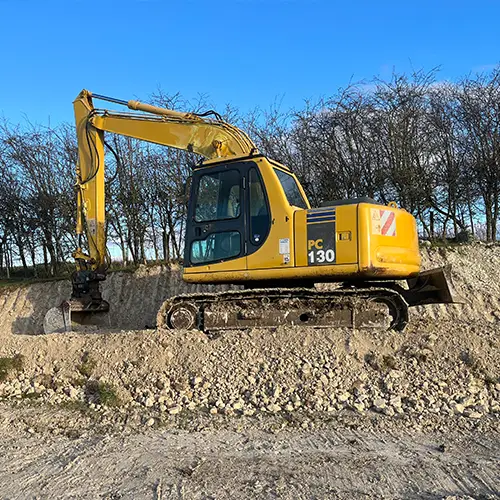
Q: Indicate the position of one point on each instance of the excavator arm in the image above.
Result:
(209, 137)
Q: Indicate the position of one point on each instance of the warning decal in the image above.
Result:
(383, 222)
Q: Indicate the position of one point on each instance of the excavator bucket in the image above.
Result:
(70, 317)
(86, 306)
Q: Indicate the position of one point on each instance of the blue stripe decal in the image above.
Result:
(317, 215)
(315, 211)
(322, 209)
(327, 216)
(320, 221)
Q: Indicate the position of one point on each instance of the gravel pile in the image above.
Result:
(429, 378)
(444, 368)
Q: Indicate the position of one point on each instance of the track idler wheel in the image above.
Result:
(178, 316)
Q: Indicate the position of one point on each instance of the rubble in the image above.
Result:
(443, 370)
(294, 371)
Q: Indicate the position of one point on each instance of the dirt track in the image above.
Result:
(253, 464)
(291, 413)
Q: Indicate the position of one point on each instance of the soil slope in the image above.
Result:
(439, 381)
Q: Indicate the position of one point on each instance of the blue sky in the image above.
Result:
(244, 52)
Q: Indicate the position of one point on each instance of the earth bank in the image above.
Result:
(438, 380)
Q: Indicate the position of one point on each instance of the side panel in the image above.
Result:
(388, 241)
(326, 236)
(347, 234)
(316, 273)
(278, 249)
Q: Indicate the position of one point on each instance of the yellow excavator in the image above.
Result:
(249, 223)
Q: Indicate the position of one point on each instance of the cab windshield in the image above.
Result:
(292, 191)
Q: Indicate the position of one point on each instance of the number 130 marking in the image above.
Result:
(321, 256)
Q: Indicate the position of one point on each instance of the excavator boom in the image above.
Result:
(210, 138)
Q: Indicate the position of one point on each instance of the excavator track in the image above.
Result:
(380, 308)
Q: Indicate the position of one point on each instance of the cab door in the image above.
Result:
(258, 222)
(216, 229)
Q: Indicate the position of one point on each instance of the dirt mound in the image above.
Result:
(428, 376)
(443, 370)
(134, 297)
(475, 280)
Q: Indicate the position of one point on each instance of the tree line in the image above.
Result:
(431, 146)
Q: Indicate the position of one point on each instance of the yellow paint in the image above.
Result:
(319, 274)
(282, 216)
(90, 185)
(346, 221)
(360, 255)
(388, 252)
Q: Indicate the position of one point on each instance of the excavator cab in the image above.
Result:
(249, 221)
(229, 216)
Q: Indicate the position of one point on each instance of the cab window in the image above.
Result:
(219, 196)
(292, 192)
(216, 247)
(259, 211)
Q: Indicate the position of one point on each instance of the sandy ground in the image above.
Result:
(292, 464)
(293, 413)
